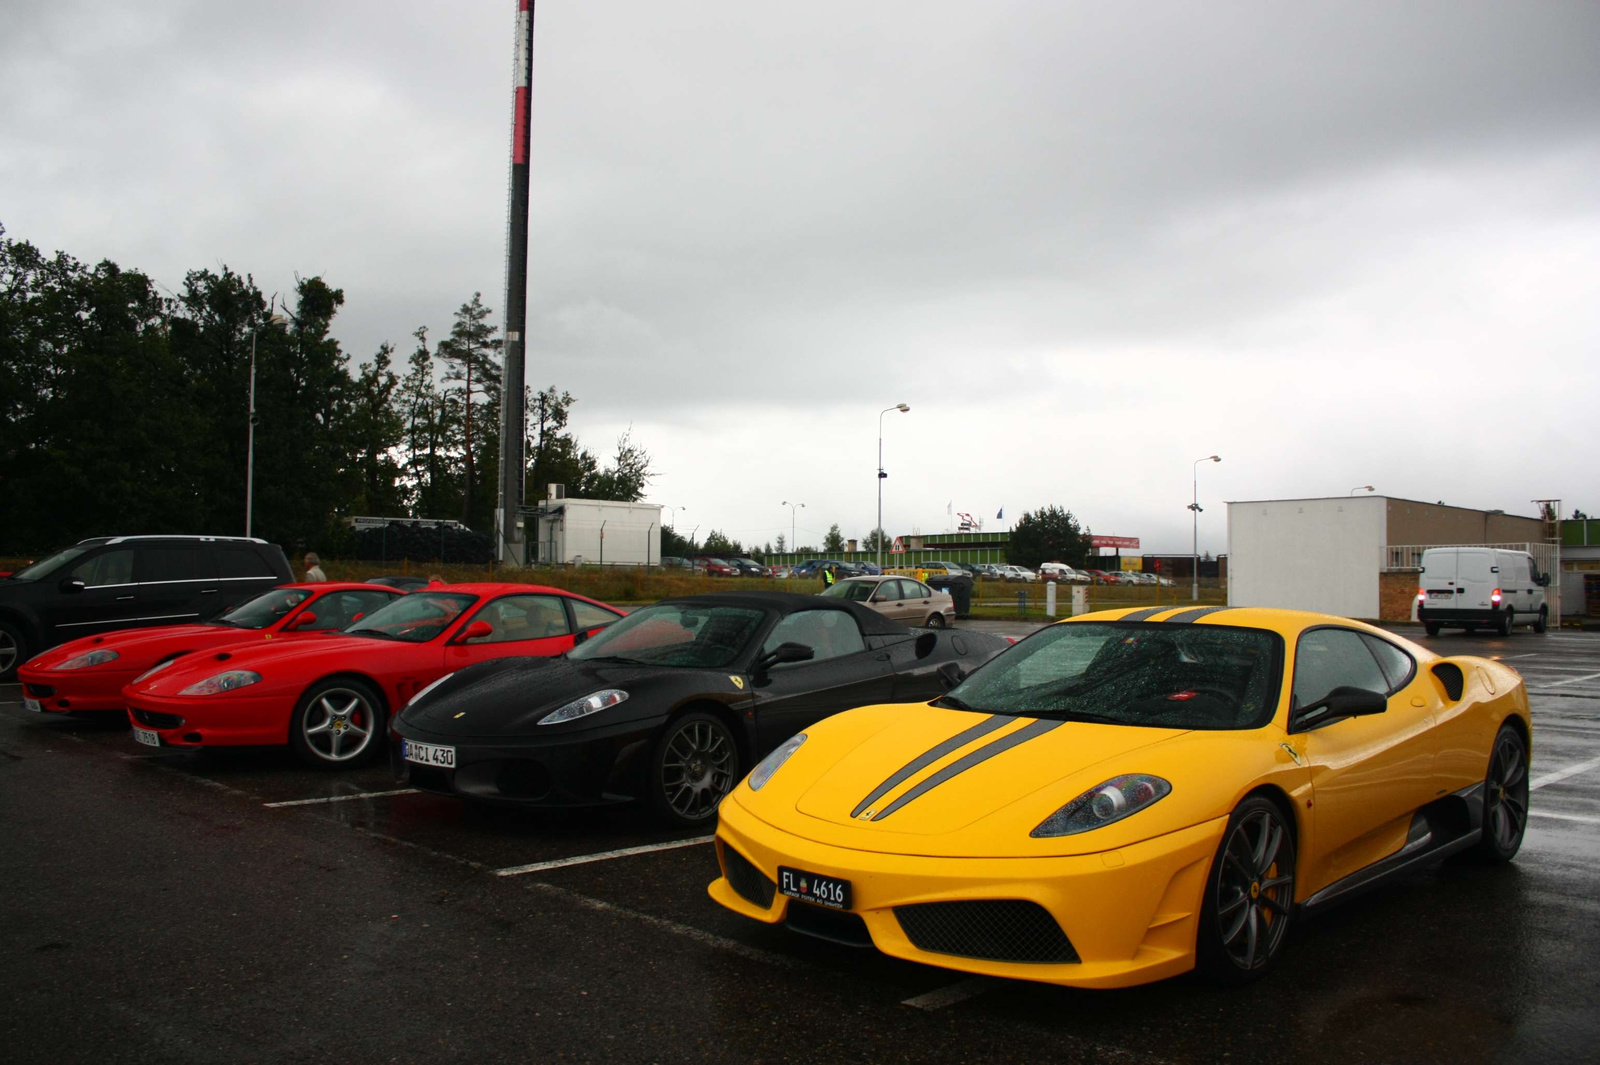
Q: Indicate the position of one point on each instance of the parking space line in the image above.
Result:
(340, 798)
(1563, 774)
(1565, 817)
(1569, 680)
(602, 856)
(949, 995)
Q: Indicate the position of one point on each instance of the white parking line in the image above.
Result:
(1563, 774)
(1569, 680)
(340, 798)
(1565, 817)
(603, 856)
(949, 995)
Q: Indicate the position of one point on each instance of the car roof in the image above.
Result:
(1287, 623)
(96, 541)
(872, 623)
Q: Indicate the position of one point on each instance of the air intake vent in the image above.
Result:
(750, 882)
(1450, 676)
(992, 929)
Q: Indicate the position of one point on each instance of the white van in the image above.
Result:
(1469, 587)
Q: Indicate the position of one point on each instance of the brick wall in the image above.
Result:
(1396, 591)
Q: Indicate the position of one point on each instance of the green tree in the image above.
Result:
(833, 543)
(471, 355)
(1049, 534)
(874, 538)
(720, 546)
(624, 480)
(554, 456)
(374, 432)
(782, 542)
(674, 544)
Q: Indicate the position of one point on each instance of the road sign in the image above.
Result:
(1158, 565)
(1131, 542)
(898, 547)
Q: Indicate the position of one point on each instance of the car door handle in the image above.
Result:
(208, 591)
(124, 598)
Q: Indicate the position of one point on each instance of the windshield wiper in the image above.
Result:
(953, 703)
(1073, 715)
(616, 658)
(376, 633)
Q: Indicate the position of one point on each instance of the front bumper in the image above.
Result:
(594, 767)
(212, 720)
(1130, 914)
(63, 690)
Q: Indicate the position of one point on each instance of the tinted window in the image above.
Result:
(108, 567)
(414, 618)
(589, 616)
(1334, 658)
(340, 610)
(265, 608)
(240, 560)
(675, 634)
(522, 617)
(1161, 676)
(1397, 666)
(918, 591)
(856, 591)
(830, 633)
(45, 566)
(173, 562)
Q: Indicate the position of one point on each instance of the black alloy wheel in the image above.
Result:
(13, 651)
(1505, 801)
(1249, 896)
(1507, 620)
(696, 763)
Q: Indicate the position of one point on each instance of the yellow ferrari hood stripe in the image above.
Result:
(961, 765)
(927, 758)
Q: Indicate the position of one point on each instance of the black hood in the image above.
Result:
(508, 696)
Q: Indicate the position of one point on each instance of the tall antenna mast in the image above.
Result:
(511, 405)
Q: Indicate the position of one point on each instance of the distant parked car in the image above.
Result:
(1020, 573)
(674, 562)
(405, 584)
(715, 567)
(905, 600)
(869, 569)
(749, 567)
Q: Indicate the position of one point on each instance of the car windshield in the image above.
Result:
(414, 618)
(46, 566)
(676, 634)
(264, 609)
(1158, 676)
(855, 591)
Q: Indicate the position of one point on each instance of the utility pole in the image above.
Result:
(512, 443)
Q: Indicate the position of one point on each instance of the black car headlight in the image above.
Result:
(1104, 803)
(589, 704)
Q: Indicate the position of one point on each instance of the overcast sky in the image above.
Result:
(1339, 244)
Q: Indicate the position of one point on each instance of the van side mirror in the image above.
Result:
(1543, 580)
(1342, 702)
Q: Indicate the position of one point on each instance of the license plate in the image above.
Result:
(32, 704)
(429, 754)
(1435, 593)
(827, 891)
(146, 737)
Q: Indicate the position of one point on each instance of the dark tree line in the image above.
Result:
(124, 410)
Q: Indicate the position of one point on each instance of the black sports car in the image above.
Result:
(672, 704)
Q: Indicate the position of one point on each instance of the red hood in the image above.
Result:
(278, 656)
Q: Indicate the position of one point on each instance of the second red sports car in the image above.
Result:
(330, 699)
(90, 673)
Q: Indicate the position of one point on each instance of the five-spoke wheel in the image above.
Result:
(337, 723)
(696, 763)
(1505, 802)
(1250, 894)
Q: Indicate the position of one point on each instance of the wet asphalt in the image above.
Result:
(156, 907)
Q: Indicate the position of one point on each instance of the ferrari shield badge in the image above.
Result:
(738, 682)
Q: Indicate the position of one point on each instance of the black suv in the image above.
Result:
(122, 582)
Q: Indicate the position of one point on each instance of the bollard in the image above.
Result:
(1050, 599)
(1022, 604)
(1080, 601)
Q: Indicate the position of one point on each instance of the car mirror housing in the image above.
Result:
(302, 620)
(72, 586)
(1340, 703)
(951, 674)
(785, 652)
(476, 631)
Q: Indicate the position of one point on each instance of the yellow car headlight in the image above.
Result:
(1104, 803)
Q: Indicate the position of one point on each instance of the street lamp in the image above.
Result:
(1194, 507)
(672, 514)
(250, 447)
(1361, 488)
(793, 547)
(902, 408)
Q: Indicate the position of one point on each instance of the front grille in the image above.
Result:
(521, 779)
(155, 720)
(992, 929)
(836, 926)
(39, 691)
(751, 883)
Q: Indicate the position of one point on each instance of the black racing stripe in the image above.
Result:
(1141, 615)
(923, 761)
(982, 754)
(1190, 615)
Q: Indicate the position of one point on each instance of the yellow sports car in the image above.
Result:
(1129, 795)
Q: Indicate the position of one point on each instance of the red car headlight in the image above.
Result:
(232, 680)
(91, 658)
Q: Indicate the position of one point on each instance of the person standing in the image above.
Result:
(314, 568)
(827, 576)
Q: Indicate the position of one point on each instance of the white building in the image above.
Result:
(594, 532)
(1353, 556)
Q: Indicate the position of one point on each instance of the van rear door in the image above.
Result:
(1439, 578)
(1474, 578)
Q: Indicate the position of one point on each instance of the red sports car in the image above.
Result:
(330, 699)
(89, 673)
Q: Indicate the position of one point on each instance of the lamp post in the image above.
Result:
(793, 547)
(672, 515)
(1194, 507)
(250, 447)
(1361, 488)
(878, 531)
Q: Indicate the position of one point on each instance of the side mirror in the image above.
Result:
(302, 620)
(951, 674)
(71, 586)
(880, 599)
(1543, 581)
(580, 637)
(1340, 703)
(785, 652)
(476, 631)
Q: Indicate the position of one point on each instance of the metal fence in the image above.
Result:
(1402, 557)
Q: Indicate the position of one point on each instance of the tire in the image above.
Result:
(1431, 627)
(935, 621)
(338, 724)
(1505, 622)
(1505, 802)
(1542, 622)
(13, 651)
(1249, 900)
(694, 764)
